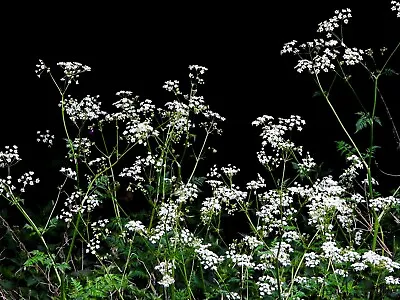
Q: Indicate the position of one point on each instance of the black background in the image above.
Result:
(138, 49)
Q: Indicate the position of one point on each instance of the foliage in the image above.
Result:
(308, 237)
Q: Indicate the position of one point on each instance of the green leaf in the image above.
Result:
(362, 121)
(7, 284)
(318, 94)
(344, 148)
(389, 72)
(378, 120)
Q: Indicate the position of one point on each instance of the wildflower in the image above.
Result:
(208, 259)
(172, 86)
(322, 54)
(166, 268)
(390, 280)
(135, 226)
(396, 7)
(87, 109)
(41, 67)
(27, 179)
(99, 230)
(72, 70)
(198, 70)
(379, 261)
(311, 259)
(9, 157)
(45, 138)
(267, 285)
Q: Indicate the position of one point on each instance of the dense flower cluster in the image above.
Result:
(323, 53)
(72, 70)
(273, 135)
(166, 268)
(9, 156)
(87, 109)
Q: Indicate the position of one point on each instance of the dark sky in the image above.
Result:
(138, 49)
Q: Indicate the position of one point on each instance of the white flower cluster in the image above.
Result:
(137, 115)
(324, 53)
(139, 165)
(127, 105)
(69, 173)
(212, 125)
(230, 170)
(82, 148)
(331, 251)
(195, 76)
(41, 67)
(9, 157)
(196, 104)
(273, 135)
(136, 226)
(341, 272)
(290, 236)
(390, 280)
(326, 195)
(186, 238)
(166, 269)
(382, 203)
(241, 260)
(78, 203)
(99, 162)
(186, 192)
(7, 188)
(255, 185)
(98, 229)
(27, 179)
(168, 215)
(45, 138)
(178, 112)
(252, 242)
(340, 16)
(311, 259)
(208, 259)
(396, 7)
(349, 174)
(87, 109)
(210, 207)
(134, 173)
(223, 194)
(172, 86)
(378, 261)
(275, 211)
(353, 56)
(228, 196)
(267, 285)
(233, 296)
(307, 163)
(281, 252)
(72, 71)
(178, 115)
(373, 181)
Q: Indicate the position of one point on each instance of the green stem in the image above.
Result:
(371, 194)
(340, 122)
